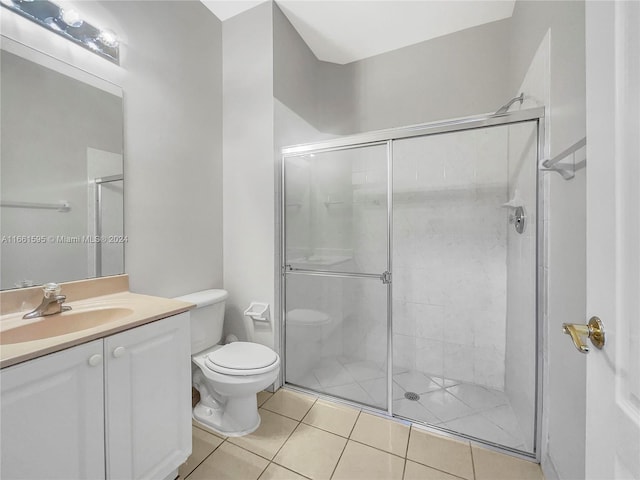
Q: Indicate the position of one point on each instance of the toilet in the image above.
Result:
(229, 376)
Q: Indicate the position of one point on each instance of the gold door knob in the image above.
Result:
(593, 330)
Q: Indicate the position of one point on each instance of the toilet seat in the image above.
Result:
(242, 358)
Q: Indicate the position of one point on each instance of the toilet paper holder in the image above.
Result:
(258, 311)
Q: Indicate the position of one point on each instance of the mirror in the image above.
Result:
(61, 171)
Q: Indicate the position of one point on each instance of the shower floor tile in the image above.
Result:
(444, 382)
(333, 376)
(415, 411)
(504, 417)
(362, 371)
(463, 407)
(444, 405)
(479, 426)
(478, 397)
(353, 392)
(377, 390)
(415, 382)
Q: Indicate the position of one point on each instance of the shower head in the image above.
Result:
(506, 106)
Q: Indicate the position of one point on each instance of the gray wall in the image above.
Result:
(249, 169)
(564, 414)
(171, 75)
(460, 74)
(296, 69)
(173, 146)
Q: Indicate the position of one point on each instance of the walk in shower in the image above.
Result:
(410, 278)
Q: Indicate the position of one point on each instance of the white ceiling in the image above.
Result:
(224, 9)
(344, 31)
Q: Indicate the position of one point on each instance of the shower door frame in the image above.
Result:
(99, 183)
(382, 137)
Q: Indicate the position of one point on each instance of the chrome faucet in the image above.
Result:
(51, 302)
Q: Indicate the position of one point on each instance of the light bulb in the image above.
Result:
(92, 45)
(51, 23)
(108, 38)
(71, 17)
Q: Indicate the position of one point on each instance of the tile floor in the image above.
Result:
(303, 437)
(467, 408)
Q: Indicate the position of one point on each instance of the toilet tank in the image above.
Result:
(207, 319)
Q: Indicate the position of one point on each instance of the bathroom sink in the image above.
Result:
(62, 324)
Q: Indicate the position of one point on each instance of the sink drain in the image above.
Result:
(414, 397)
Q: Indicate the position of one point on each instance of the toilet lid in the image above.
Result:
(242, 357)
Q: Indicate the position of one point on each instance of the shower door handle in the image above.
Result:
(594, 330)
(384, 277)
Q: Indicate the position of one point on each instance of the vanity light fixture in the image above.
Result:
(68, 23)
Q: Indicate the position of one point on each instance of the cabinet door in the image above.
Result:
(52, 416)
(148, 399)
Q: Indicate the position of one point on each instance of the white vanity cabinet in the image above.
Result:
(116, 408)
(52, 421)
(148, 399)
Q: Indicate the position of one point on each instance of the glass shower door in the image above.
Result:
(336, 255)
(464, 294)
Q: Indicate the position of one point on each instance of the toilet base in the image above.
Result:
(239, 416)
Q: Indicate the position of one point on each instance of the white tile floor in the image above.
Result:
(302, 437)
(466, 408)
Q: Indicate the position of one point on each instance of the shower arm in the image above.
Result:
(506, 106)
